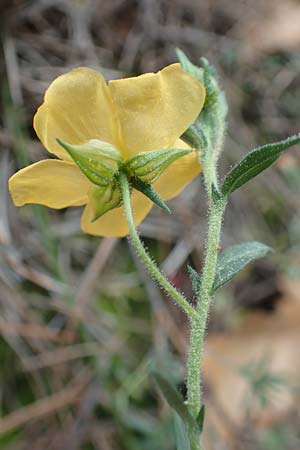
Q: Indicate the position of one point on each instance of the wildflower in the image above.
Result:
(127, 117)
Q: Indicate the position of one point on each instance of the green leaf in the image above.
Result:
(188, 66)
(207, 132)
(148, 166)
(211, 123)
(209, 128)
(195, 279)
(256, 162)
(233, 259)
(174, 399)
(104, 198)
(181, 436)
(215, 194)
(148, 190)
(98, 160)
(200, 418)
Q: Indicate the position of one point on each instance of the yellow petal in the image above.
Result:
(50, 182)
(113, 223)
(155, 109)
(77, 107)
(178, 174)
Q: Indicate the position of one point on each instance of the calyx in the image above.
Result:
(101, 162)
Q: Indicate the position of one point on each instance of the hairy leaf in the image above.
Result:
(256, 162)
(233, 259)
(195, 279)
(188, 66)
(208, 130)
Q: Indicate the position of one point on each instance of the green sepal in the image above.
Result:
(256, 162)
(148, 166)
(148, 190)
(195, 279)
(200, 418)
(98, 160)
(233, 259)
(104, 199)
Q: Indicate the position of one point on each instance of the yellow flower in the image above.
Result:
(138, 114)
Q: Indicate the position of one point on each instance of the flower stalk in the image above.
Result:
(143, 255)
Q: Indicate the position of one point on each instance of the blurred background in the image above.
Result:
(81, 322)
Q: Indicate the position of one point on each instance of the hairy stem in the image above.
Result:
(143, 255)
(204, 296)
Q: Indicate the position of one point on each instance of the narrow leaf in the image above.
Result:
(148, 166)
(256, 162)
(148, 190)
(215, 194)
(200, 418)
(181, 436)
(195, 279)
(174, 399)
(98, 160)
(233, 259)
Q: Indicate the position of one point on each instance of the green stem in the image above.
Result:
(204, 296)
(142, 253)
(209, 172)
